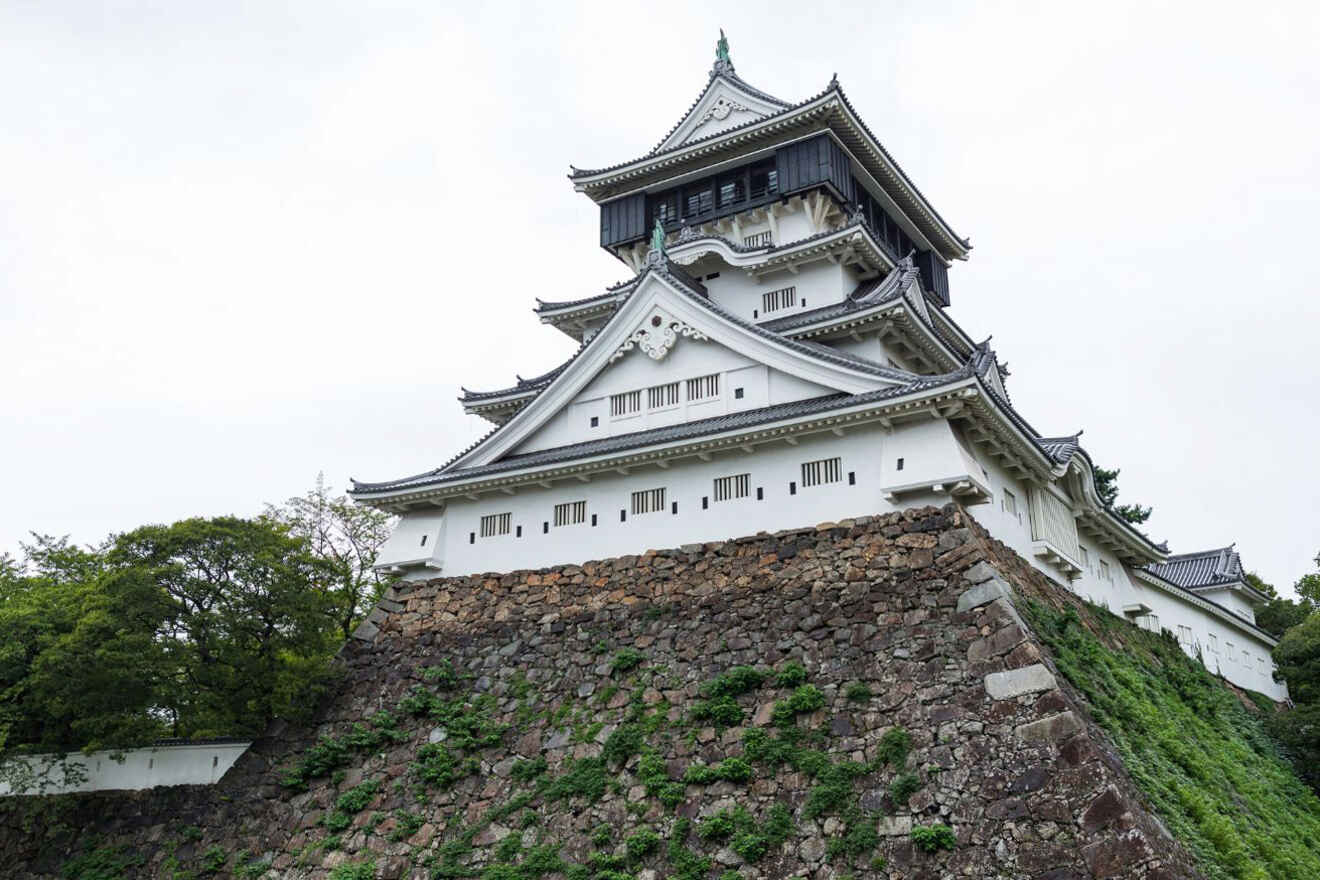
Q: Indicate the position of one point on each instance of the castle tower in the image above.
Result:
(782, 355)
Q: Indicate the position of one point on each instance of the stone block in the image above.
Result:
(1114, 855)
(982, 594)
(979, 573)
(1051, 729)
(1105, 808)
(895, 826)
(1016, 682)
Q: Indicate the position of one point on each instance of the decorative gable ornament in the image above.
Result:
(657, 336)
(721, 109)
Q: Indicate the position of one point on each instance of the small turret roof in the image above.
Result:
(1205, 568)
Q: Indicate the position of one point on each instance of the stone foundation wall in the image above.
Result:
(610, 672)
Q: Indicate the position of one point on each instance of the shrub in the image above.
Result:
(730, 770)
(738, 680)
(933, 838)
(626, 659)
(857, 692)
(903, 787)
(508, 848)
(791, 674)
(622, 744)
(442, 675)
(641, 844)
(355, 800)
(722, 711)
(602, 834)
(653, 773)
(354, 871)
(528, 770)
(585, 778)
(894, 747)
(213, 860)
(437, 766)
(806, 698)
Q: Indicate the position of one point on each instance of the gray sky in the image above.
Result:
(240, 245)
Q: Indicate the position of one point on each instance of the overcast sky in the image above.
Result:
(240, 245)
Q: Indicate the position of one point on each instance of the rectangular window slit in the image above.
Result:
(570, 513)
(736, 486)
(648, 501)
(626, 404)
(783, 298)
(661, 396)
(496, 524)
(703, 387)
(820, 472)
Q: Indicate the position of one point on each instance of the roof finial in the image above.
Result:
(656, 255)
(723, 64)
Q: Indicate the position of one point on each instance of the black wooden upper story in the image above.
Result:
(816, 163)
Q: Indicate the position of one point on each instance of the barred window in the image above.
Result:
(825, 470)
(1213, 640)
(570, 513)
(625, 404)
(760, 239)
(658, 396)
(1104, 571)
(1184, 635)
(495, 524)
(782, 298)
(1086, 557)
(648, 501)
(703, 387)
(735, 486)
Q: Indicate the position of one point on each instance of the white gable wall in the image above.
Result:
(1233, 600)
(689, 359)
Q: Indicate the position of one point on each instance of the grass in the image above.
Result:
(1203, 759)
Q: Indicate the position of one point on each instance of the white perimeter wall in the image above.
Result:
(140, 768)
(870, 455)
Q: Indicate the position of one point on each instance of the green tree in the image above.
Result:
(251, 627)
(1278, 616)
(1297, 657)
(347, 537)
(1106, 486)
(1257, 583)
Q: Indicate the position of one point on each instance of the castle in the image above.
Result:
(784, 355)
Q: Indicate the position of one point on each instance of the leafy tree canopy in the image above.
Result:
(1106, 486)
(207, 627)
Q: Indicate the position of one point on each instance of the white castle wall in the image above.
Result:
(188, 764)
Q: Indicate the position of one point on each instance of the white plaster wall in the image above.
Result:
(821, 283)
(772, 468)
(689, 359)
(417, 539)
(140, 768)
(1233, 600)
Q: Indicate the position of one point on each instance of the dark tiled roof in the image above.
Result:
(1061, 449)
(788, 110)
(534, 383)
(591, 172)
(543, 305)
(1207, 568)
